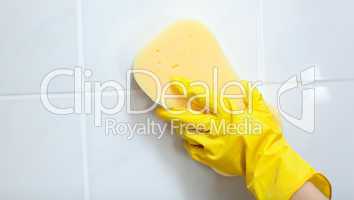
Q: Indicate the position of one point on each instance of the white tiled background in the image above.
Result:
(48, 156)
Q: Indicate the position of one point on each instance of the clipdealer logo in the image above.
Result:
(88, 95)
(303, 82)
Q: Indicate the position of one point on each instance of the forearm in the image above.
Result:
(308, 192)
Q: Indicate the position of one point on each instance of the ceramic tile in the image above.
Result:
(40, 152)
(114, 34)
(37, 37)
(298, 34)
(127, 162)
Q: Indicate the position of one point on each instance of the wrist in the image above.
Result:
(275, 171)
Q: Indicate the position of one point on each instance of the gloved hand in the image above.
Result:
(249, 143)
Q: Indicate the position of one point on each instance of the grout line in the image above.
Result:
(19, 96)
(84, 149)
(33, 94)
(83, 128)
(319, 81)
(58, 94)
(260, 46)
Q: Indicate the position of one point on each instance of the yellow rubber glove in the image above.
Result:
(249, 144)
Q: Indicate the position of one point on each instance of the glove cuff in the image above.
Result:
(322, 183)
(279, 172)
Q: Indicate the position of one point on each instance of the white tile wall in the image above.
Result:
(115, 30)
(298, 33)
(40, 152)
(48, 156)
(124, 166)
(36, 37)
